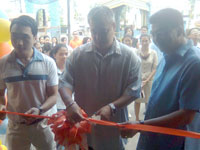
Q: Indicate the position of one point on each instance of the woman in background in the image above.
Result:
(128, 40)
(59, 54)
(149, 62)
(129, 31)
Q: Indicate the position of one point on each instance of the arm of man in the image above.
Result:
(106, 112)
(52, 93)
(66, 86)
(189, 89)
(173, 120)
(2, 103)
(131, 93)
(73, 110)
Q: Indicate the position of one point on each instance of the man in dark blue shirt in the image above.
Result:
(175, 94)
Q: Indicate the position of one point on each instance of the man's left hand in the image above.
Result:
(105, 112)
(33, 111)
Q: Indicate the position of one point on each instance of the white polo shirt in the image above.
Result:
(27, 86)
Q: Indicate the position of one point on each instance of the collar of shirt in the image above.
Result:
(181, 50)
(115, 48)
(37, 56)
(59, 71)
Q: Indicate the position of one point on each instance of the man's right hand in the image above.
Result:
(128, 133)
(2, 115)
(74, 113)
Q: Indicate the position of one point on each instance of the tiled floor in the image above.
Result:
(132, 142)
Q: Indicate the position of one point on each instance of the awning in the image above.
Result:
(141, 4)
(40, 2)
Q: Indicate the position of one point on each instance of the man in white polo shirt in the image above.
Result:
(31, 82)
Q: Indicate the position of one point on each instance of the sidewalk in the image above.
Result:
(132, 142)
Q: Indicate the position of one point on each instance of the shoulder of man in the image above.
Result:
(47, 58)
(196, 54)
(4, 59)
(49, 62)
(81, 49)
(192, 60)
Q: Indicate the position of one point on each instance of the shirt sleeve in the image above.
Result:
(52, 79)
(67, 79)
(190, 88)
(2, 83)
(134, 79)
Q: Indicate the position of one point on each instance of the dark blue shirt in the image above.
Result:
(176, 86)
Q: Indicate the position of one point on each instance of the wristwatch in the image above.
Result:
(141, 121)
(113, 109)
(40, 111)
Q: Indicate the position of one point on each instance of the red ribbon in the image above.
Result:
(68, 134)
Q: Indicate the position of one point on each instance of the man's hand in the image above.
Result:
(128, 133)
(74, 113)
(105, 112)
(33, 111)
(2, 115)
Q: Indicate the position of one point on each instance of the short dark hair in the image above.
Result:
(46, 36)
(56, 39)
(98, 13)
(63, 38)
(145, 35)
(47, 47)
(37, 42)
(85, 39)
(26, 21)
(168, 18)
(41, 37)
(144, 27)
(190, 30)
(56, 48)
(126, 29)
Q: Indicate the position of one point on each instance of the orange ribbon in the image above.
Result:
(140, 127)
(149, 128)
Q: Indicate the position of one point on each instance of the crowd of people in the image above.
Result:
(45, 44)
(102, 76)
